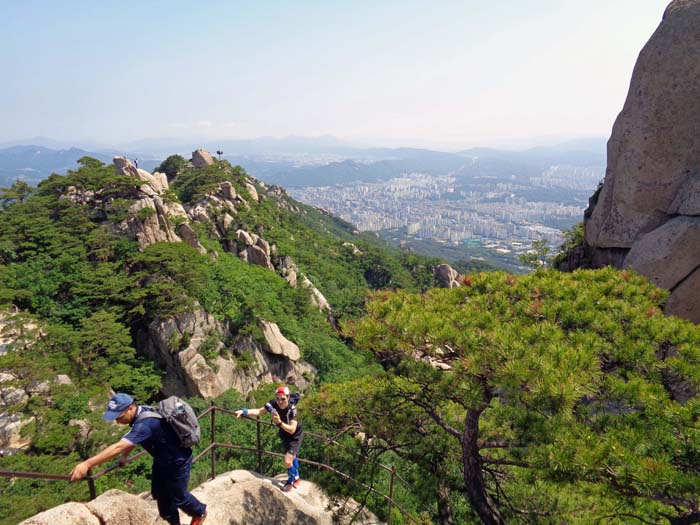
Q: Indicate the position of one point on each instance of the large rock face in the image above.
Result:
(644, 216)
(191, 349)
(655, 144)
(235, 498)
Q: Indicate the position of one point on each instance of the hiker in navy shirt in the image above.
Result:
(171, 462)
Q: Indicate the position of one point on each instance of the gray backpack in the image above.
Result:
(181, 418)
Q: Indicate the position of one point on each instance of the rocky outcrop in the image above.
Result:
(355, 249)
(188, 235)
(668, 254)
(446, 276)
(256, 255)
(277, 344)
(14, 395)
(282, 199)
(17, 333)
(146, 225)
(227, 190)
(78, 196)
(289, 270)
(260, 366)
(68, 513)
(11, 431)
(294, 277)
(16, 330)
(219, 208)
(644, 217)
(255, 250)
(156, 181)
(317, 298)
(217, 211)
(9, 394)
(150, 218)
(192, 350)
(244, 498)
(174, 345)
(235, 498)
(683, 302)
(252, 191)
(114, 507)
(202, 158)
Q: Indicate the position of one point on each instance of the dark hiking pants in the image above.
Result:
(169, 489)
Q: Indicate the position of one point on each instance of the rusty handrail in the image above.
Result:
(211, 448)
(323, 438)
(33, 475)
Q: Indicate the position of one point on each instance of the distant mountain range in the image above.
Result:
(389, 163)
(319, 161)
(34, 163)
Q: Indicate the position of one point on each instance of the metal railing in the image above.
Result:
(211, 449)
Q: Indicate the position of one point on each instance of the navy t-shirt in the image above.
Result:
(161, 442)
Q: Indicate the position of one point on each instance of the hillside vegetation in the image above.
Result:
(83, 290)
(546, 398)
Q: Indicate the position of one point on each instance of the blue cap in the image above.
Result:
(118, 404)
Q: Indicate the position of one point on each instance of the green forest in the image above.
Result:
(546, 398)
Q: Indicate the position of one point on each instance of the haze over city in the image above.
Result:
(443, 75)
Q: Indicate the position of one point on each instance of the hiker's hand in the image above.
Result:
(276, 418)
(79, 471)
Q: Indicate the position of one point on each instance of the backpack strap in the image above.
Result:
(147, 412)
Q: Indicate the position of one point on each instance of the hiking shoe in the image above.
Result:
(199, 520)
(287, 487)
(296, 483)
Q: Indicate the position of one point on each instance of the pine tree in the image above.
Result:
(572, 379)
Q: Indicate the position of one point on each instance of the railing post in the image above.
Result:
(391, 493)
(91, 485)
(260, 454)
(212, 436)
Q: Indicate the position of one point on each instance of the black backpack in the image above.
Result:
(181, 418)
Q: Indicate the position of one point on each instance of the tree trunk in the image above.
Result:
(444, 508)
(479, 499)
(693, 517)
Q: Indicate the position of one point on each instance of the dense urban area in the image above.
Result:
(495, 214)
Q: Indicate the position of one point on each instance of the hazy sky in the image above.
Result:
(463, 73)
